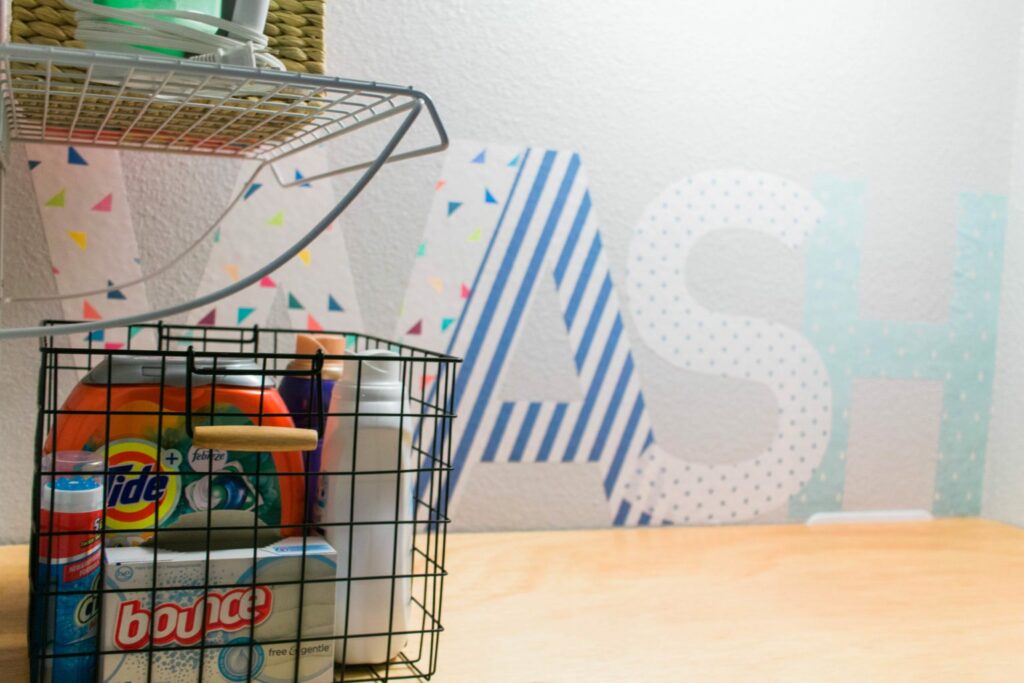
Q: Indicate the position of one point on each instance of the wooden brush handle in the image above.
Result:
(255, 439)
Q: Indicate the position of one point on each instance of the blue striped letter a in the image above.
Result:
(503, 219)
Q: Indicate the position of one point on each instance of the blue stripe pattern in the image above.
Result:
(581, 284)
(425, 477)
(574, 236)
(494, 296)
(595, 320)
(623, 449)
(552, 432)
(524, 433)
(499, 431)
(605, 425)
(593, 391)
(465, 374)
(613, 410)
(487, 253)
(622, 514)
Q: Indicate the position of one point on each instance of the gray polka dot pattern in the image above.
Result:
(692, 337)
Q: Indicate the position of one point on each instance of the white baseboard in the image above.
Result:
(870, 516)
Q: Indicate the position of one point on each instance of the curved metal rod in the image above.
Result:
(159, 271)
(283, 183)
(74, 56)
(252, 278)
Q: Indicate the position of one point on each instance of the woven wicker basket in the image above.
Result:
(58, 100)
(295, 29)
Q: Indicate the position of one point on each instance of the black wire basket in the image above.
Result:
(210, 506)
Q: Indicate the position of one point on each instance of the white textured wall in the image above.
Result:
(1004, 480)
(915, 98)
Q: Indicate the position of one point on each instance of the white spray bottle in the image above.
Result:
(377, 440)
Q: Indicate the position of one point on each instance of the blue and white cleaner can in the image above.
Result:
(68, 576)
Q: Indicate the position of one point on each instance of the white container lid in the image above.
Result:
(72, 494)
(378, 382)
(373, 371)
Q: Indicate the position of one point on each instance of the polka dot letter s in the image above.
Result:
(692, 337)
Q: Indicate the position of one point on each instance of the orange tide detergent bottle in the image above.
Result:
(155, 477)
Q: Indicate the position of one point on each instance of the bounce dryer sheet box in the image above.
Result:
(229, 612)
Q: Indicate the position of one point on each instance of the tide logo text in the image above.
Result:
(128, 487)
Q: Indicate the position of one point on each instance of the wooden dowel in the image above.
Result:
(254, 438)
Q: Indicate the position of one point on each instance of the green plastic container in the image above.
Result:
(210, 7)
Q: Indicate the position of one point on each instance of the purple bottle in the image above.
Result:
(302, 400)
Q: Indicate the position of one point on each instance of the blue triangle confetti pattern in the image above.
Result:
(75, 158)
(115, 293)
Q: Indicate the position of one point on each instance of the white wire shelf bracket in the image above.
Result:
(72, 96)
(69, 96)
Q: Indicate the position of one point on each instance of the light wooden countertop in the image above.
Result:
(936, 601)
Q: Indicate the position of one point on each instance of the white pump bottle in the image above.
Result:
(377, 439)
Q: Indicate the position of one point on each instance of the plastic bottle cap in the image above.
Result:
(333, 346)
(308, 345)
(374, 372)
(76, 483)
(72, 494)
(73, 461)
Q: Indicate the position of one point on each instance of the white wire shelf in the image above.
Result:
(67, 96)
(72, 96)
